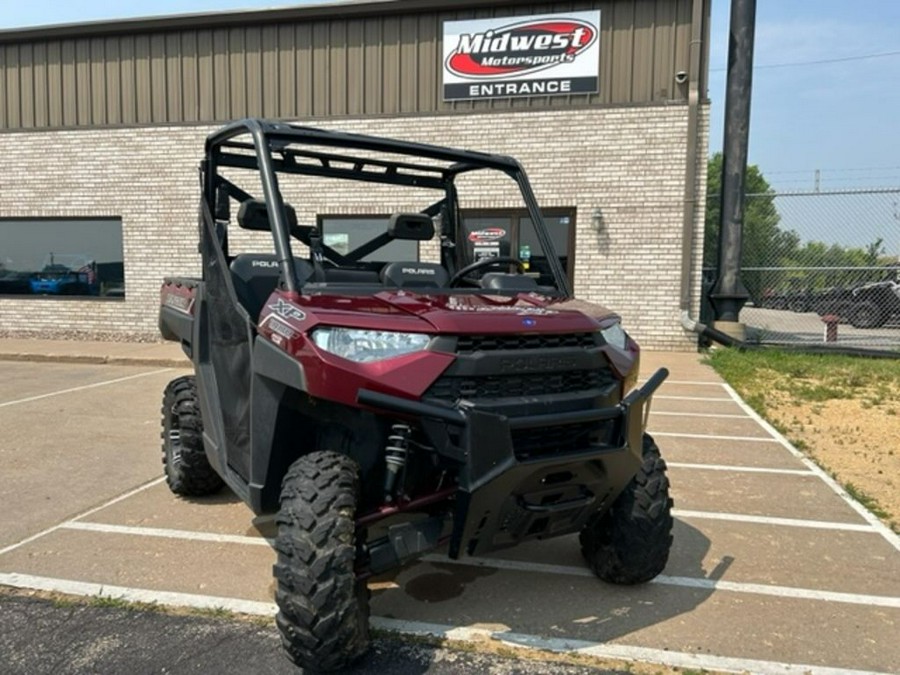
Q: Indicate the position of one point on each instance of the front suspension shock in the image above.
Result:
(396, 453)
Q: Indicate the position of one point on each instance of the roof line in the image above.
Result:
(243, 17)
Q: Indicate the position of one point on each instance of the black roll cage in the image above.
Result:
(275, 137)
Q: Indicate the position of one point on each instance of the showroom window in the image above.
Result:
(345, 233)
(61, 257)
(496, 232)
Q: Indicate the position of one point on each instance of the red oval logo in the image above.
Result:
(520, 48)
(487, 234)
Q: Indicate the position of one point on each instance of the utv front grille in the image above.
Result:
(544, 441)
(533, 374)
(452, 388)
(467, 344)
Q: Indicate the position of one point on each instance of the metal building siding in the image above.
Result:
(327, 67)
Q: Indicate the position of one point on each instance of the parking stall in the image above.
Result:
(773, 569)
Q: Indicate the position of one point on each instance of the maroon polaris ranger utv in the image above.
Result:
(400, 384)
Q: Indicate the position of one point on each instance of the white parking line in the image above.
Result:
(655, 413)
(54, 528)
(694, 383)
(739, 469)
(691, 398)
(169, 598)
(693, 661)
(870, 518)
(516, 565)
(685, 582)
(752, 439)
(192, 535)
(767, 520)
(451, 633)
(167, 533)
(83, 387)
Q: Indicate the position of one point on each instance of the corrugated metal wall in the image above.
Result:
(319, 68)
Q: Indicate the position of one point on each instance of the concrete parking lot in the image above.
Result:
(787, 327)
(773, 569)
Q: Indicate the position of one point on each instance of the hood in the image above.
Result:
(460, 313)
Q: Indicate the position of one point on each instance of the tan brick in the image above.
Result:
(628, 162)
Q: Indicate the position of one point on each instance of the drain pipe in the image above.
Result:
(690, 183)
(695, 326)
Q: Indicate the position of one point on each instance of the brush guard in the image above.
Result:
(502, 500)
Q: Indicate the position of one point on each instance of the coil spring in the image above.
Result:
(397, 449)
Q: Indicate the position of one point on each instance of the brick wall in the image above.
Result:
(626, 162)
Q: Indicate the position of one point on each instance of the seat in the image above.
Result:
(255, 276)
(343, 275)
(253, 215)
(508, 282)
(414, 275)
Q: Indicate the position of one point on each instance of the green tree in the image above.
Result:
(764, 243)
(874, 251)
(844, 266)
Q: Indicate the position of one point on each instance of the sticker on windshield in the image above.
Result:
(490, 250)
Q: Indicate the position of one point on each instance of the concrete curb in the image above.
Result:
(97, 359)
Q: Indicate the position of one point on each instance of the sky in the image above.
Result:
(839, 118)
(26, 249)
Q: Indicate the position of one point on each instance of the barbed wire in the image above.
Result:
(833, 170)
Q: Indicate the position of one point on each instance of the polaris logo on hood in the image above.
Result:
(522, 56)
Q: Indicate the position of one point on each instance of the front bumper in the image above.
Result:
(503, 499)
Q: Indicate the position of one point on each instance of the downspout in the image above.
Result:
(690, 182)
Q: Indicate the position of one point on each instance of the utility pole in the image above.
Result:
(729, 294)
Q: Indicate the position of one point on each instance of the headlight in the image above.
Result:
(615, 335)
(364, 346)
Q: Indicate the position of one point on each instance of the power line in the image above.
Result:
(868, 169)
(792, 64)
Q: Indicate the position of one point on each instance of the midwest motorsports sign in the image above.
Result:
(541, 55)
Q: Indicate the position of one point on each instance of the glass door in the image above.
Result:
(511, 232)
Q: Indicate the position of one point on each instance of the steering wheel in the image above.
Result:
(487, 262)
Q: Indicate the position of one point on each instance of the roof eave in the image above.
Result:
(210, 20)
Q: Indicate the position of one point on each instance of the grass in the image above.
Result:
(64, 601)
(111, 602)
(769, 380)
(813, 378)
(866, 500)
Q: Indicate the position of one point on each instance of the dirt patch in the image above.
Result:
(858, 443)
(842, 411)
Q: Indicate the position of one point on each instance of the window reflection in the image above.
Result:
(346, 233)
(62, 257)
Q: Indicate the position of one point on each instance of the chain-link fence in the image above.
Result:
(820, 267)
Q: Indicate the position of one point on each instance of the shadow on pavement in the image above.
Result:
(570, 604)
